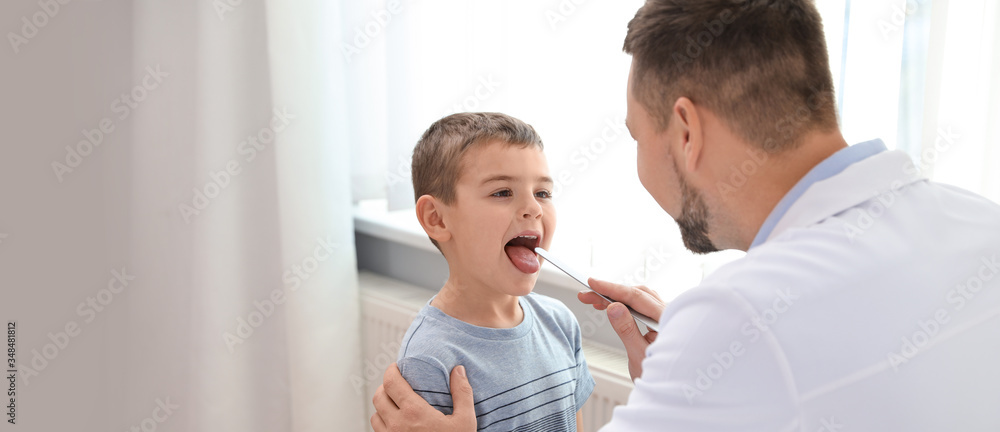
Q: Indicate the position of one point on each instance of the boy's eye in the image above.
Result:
(543, 194)
(503, 193)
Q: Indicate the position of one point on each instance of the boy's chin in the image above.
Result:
(524, 285)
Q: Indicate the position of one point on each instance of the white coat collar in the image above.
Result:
(881, 173)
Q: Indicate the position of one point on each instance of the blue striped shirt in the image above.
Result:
(531, 377)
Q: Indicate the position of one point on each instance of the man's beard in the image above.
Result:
(693, 220)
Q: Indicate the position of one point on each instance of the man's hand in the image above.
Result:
(640, 298)
(398, 408)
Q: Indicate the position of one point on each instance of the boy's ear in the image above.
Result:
(431, 217)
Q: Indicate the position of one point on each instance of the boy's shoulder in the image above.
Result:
(426, 327)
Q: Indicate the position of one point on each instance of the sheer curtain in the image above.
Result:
(194, 271)
(920, 74)
(923, 76)
(265, 272)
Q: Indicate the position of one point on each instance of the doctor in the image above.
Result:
(869, 298)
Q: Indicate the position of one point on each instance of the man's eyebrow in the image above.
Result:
(503, 177)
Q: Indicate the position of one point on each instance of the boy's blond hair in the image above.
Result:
(437, 158)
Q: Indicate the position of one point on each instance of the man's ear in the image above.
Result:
(431, 217)
(690, 127)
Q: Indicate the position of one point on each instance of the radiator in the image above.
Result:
(387, 308)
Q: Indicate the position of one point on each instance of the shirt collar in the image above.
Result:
(829, 167)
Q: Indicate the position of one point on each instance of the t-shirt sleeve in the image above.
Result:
(584, 380)
(428, 381)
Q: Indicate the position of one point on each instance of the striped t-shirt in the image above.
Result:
(531, 377)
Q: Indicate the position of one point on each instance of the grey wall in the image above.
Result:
(61, 239)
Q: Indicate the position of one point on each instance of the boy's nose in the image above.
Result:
(532, 210)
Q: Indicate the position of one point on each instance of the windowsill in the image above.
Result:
(401, 226)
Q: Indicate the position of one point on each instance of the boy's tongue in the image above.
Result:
(523, 258)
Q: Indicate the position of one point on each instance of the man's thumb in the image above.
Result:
(461, 394)
(625, 326)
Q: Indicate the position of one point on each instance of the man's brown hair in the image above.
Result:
(761, 65)
(437, 158)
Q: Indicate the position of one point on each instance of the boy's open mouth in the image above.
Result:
(521, 251)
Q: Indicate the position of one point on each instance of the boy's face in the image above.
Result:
(502, 211)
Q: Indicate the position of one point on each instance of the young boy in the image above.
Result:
(484, 198)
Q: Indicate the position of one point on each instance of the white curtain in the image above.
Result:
(281, 228)
(923, 76)
(224, 192)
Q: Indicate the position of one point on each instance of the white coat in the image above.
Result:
(872, 305)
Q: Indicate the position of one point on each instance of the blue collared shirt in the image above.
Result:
(830, 167)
